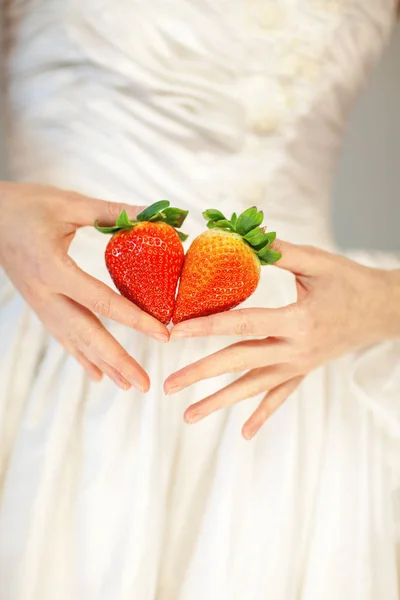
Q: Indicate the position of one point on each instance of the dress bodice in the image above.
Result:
(207, 102)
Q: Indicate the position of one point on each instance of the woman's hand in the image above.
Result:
(342, 306)
(37, 226)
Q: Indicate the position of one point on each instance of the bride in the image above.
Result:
(107, 493)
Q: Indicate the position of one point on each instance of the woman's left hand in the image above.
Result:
(341, 306)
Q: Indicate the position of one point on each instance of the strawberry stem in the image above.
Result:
(160, 211)
(247, 225)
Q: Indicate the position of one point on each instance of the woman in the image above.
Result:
(106, 492)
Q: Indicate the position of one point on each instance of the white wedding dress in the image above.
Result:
(108, 495)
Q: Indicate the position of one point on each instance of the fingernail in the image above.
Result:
(96, 378)
(181, 333)
(160, 337)
(247, 435)
(139, 386)
(174, 390)
(122, 383)
(194, 419)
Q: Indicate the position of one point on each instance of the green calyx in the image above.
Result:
(159, 212)
(247, 225)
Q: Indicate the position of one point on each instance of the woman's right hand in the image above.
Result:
(37, 226)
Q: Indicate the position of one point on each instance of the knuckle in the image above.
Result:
(242, 324)
(71, 338)
(114, 209)
(87, 337)
(102, 307)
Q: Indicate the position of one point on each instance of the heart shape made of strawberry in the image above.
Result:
(221, 269)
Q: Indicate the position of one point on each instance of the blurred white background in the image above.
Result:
(366, 207)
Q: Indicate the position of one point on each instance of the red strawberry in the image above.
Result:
(222, 266)
(145, 257)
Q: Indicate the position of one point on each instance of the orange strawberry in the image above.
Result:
(145, 257)
(222, 266)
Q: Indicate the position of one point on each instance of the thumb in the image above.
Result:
(85, 211)
(299, 259)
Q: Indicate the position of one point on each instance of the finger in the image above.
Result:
(300, 260)
(92, 370)
(83, 211)
(270, 404)
(82, 330)
(114, 359)
(242, 322)
(97, 297)
(116, 377)
(97, 369)
(250, 385)
(233, 359)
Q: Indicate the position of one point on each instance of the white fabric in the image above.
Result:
(108, 495)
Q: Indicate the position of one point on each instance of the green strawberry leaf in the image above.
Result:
(248, 220)
(123, 221)
(248, 225)
(268, 256)
(182, 236)
(223, 224)
(111, 229)
(213, 214)
(265, 244)
(151, 211)
(271, 236)
(259, 240)
(172, 216)
(255, 237)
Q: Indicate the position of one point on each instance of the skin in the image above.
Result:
(342, 306)
(37, 225)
